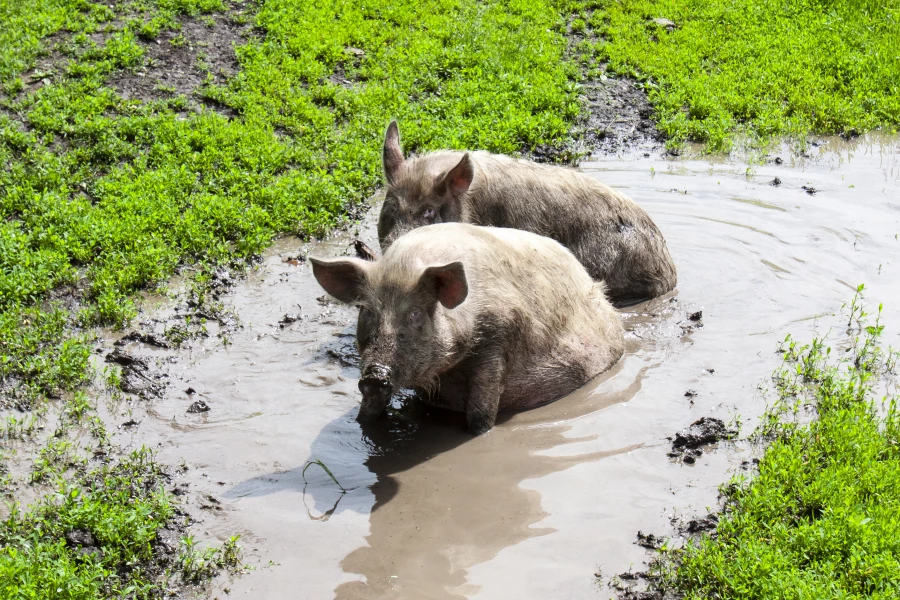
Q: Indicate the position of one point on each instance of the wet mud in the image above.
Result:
(619, 115)
(688, 445)
(412, 506)
(616, 117)
(136, 375)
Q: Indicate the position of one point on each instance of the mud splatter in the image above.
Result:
(137, 376)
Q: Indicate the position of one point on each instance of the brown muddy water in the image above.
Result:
(551, 496)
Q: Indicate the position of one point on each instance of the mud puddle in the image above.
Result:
(551, 496)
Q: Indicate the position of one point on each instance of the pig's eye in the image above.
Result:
(415, 316)
(429, 214)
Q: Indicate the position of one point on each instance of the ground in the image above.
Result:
(149, 138)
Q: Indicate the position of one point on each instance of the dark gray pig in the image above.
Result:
(611, 235)
(478, 319)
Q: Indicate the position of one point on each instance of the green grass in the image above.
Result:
(123, 505)
(758, 68)
(822, 517)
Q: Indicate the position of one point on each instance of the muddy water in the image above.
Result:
(552, 496)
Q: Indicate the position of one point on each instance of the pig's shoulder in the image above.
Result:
(468, 238)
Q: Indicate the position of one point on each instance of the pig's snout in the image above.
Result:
(376, 389)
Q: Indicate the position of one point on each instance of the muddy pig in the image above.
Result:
(610, 234)
(477, 319)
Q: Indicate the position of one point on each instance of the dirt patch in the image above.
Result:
(616, 116)
(341, 75)
(616, 113)
(48, 64)
(179, 63)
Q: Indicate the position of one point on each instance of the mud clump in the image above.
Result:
(208, 502)
(687, 446)
(649, 541)
(137, 376)
(221, 281)
(198, 406)
(693, 322)
(150, 339)
(700, 525)
(82, 540)
(288, 319)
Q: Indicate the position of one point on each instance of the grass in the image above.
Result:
(758, 69)
(822, 517)
(102, 197)
(122, 506)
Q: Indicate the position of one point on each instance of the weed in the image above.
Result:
(321, 465)
(196, 565)
(55, 459)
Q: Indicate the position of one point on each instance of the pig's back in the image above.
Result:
(613, 237)
(495, 258)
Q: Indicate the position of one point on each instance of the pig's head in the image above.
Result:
(403, 336)
(419, 192)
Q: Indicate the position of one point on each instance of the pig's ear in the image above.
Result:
(391, 154)
(447, 283)
(343, 278)
(455, 182)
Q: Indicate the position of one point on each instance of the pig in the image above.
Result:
(613, 237)
(476, 319)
